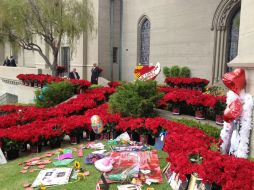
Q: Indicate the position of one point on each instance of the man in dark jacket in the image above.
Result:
(12, 62)
(7, 62)
(74, 74)
(95, 74)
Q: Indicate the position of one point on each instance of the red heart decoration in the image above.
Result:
(235, 80)
(233, 111)
(141, 70)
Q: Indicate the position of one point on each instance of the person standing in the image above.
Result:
(95, 74)
(7, 62)
(74, 74)
(12, 62)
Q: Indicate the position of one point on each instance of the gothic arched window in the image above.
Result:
(144, 41)
(233, 36)
(226, 32)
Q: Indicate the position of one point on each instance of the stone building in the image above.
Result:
(200, 34)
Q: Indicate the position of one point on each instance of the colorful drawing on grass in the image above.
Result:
(135, 163)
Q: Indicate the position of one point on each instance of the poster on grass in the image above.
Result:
(2, 158)
(53, 176)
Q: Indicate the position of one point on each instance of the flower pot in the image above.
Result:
(35, 148)
(143, 139)
(176, 110)
(74, 139)
(219, 119)
(12, 154)
(104, 136)
(199, 114)
(92, 136)
(55, 143)
(151, 140)
(135, 136)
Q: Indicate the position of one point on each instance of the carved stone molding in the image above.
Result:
(220, 25)
(220, 19)
(10, 81)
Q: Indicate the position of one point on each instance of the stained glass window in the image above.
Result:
(145, 42)
(234, 36)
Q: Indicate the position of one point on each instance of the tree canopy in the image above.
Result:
(25, 22)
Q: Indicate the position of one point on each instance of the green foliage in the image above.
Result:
(208, 129)
(135, 99)
(215, 90)
(185, 72)
(10, 145)
(219, 107)
(22, 22)
(166, 71)
(95, 86)
(55, 94)
(175, 71)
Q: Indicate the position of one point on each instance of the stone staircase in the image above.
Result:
(8, 99)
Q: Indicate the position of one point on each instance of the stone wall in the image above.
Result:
(180, 34)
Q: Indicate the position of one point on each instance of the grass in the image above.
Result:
(12, 179)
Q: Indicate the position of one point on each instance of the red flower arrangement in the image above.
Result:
(114, 84)
(181, 142)
(186, 82)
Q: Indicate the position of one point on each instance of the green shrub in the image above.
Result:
(54, 94)
(95, 86)
(208, 129)
(135, 99)
(175, 71)
(185, 72)
(166, 71)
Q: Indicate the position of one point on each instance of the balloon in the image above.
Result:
(44, 89)
(235, 80)
(41, 97)
(233, 111)
(97, 124)
(104, 164)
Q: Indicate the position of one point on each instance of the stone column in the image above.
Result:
(245, 58)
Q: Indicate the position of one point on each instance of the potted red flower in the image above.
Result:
(11, 147)
(219, 108)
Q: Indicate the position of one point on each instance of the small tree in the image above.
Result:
(23, 21)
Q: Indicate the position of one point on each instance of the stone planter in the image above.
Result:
(219, 119)
(199, 114)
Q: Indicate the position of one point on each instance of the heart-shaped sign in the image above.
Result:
(233, 111)
(147, 72)
(235, 80)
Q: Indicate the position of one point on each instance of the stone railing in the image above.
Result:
(12, 72)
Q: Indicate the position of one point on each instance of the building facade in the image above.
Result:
(200, 34)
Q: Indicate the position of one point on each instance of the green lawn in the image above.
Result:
(12, 179)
